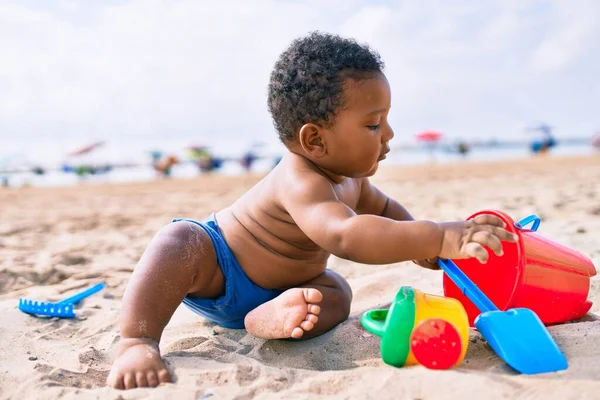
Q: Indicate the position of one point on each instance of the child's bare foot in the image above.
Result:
(137, 364)
(288, 315)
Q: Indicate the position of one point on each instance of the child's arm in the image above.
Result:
(370, 239)
(373, 201)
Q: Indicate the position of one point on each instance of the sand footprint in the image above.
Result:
(90, 379)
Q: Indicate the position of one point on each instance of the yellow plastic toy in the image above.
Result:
(421, 328)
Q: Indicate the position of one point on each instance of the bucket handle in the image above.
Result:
(527, 220)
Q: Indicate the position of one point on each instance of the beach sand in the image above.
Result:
(55, 241)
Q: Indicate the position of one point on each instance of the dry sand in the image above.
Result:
(56, 241)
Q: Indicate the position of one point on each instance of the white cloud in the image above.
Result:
(573, 28)
(189, 69)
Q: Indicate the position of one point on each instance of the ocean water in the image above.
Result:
(486, 154)
(51, 159)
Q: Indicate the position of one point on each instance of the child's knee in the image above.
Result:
(340, 283)
(192, 254)
(346, 299)
(342, 289)
(183, 243)
(184, 238)
(181, 233)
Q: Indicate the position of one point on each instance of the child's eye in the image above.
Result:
(373, 127)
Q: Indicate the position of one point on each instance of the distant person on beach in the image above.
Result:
(463, 148)
(596, 141)
(248, 160)
(543, 145)
(261, 263)
(205, 159)
(163, 166)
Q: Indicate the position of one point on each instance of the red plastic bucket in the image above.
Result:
(535, 273)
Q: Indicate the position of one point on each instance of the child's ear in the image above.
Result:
(312, 141)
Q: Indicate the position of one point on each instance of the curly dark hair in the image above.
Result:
(306, 82)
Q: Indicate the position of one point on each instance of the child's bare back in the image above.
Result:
(273, 250)
(261, 264)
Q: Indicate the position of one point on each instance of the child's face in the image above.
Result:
(359, 137)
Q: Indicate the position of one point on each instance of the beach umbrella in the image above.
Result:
(429, 136)
(430, 139)
(155, 154)
(197, 147)
(542, 127)
(258, 143)
(85, 149)
(198, 151)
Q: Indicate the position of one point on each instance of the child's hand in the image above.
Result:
(467, 239)
(429, 263)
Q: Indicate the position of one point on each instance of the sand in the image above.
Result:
(54, 241)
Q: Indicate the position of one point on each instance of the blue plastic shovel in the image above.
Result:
(62, 309)
(518, 335)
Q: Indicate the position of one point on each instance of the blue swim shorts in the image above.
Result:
(241, 294)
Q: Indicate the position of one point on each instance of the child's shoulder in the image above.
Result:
(299, 174)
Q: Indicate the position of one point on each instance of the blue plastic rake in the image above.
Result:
(62, 309)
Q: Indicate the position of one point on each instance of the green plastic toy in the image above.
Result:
(421, 329)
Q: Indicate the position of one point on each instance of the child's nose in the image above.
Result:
(388, 134)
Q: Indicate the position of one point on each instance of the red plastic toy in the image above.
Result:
(535, 273)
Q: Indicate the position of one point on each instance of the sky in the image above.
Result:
(188, 70)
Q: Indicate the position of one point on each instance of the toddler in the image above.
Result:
(261, 263)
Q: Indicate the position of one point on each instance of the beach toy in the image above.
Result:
(62, 309)
(536, 273)
(421, 329)
(518, 336)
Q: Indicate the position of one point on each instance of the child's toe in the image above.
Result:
(297, 333)
(307, 325)
(115, 380)
(312, 295)
(152, 379)
(312, 318)
(129, 381)
(164, 376)
(141, 379)
(314, 309)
